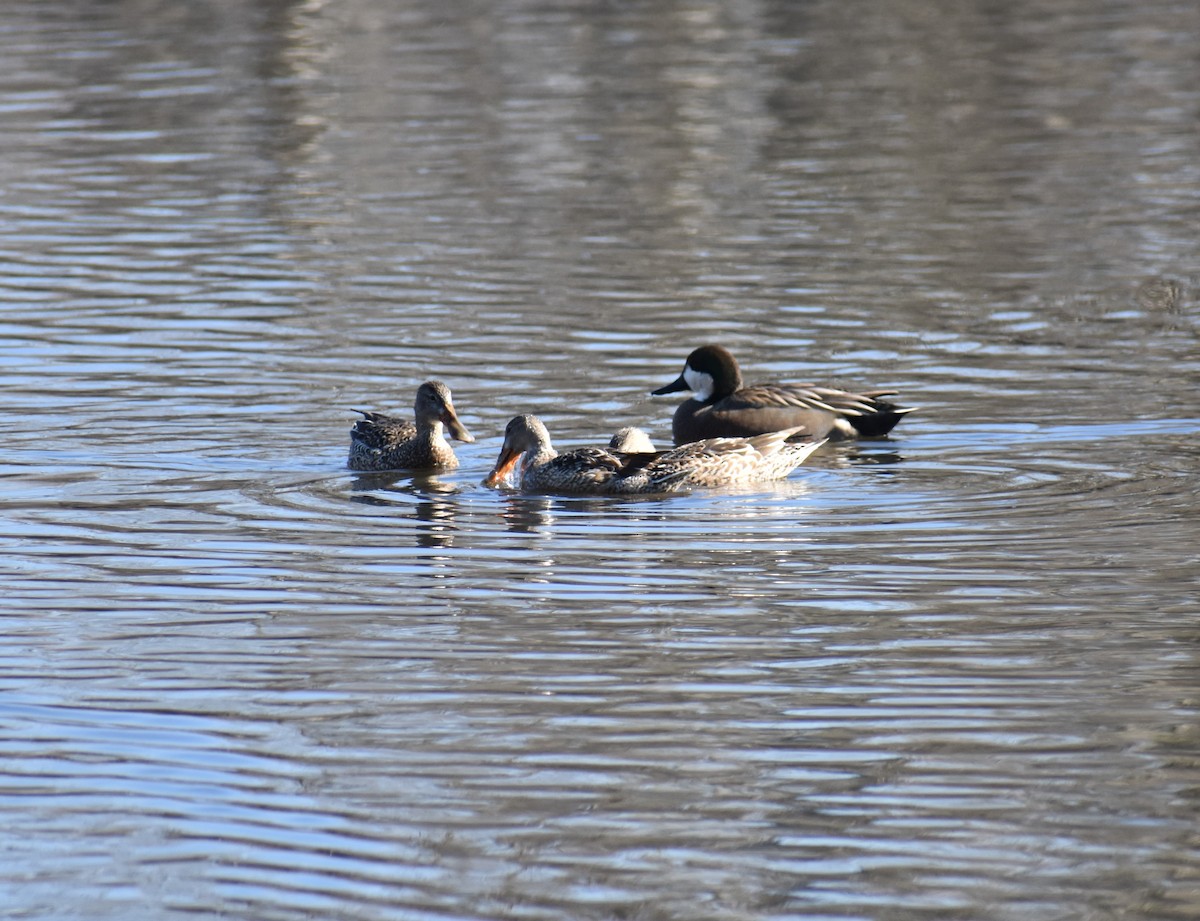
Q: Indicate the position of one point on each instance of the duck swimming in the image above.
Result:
(382, 442)
(529, 458)
(723, 407)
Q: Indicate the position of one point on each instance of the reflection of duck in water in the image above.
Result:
(431, 501)
(599, 471)
(381, 442)
(722, 407)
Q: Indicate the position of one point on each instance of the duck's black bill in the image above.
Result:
(674, 387)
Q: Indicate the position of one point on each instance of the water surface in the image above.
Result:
(947, 675)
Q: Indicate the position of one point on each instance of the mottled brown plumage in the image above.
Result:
(382, 442)
(529, 460)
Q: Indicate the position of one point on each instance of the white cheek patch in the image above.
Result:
(701, 383)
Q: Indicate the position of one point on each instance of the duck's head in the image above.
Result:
(433, 404)
(524, 435)
(709, 371)
(631, 440)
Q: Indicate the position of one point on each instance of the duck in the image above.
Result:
(382, 442)
(723, 407)
(631, 440)
(528, 458)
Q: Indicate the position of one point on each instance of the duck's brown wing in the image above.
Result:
(379, 430)
(801, 396)
(866, 411)
(762, 408)
(584, 470)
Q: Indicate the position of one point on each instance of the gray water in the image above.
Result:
(948, 675)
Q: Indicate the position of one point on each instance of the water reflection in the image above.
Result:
(529, 514)
(433, 512)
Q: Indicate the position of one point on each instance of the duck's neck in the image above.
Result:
(431, 432)
(537, 457)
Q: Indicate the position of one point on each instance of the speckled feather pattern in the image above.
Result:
(584, 470)
(529, 454)
(724, 462)
(382, 442)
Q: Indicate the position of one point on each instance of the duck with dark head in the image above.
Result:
(722, 406)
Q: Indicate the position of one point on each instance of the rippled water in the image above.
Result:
(947, 675)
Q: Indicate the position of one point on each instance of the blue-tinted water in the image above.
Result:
(946, 675)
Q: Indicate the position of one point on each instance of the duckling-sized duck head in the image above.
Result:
(434, 405)
(631, 440)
